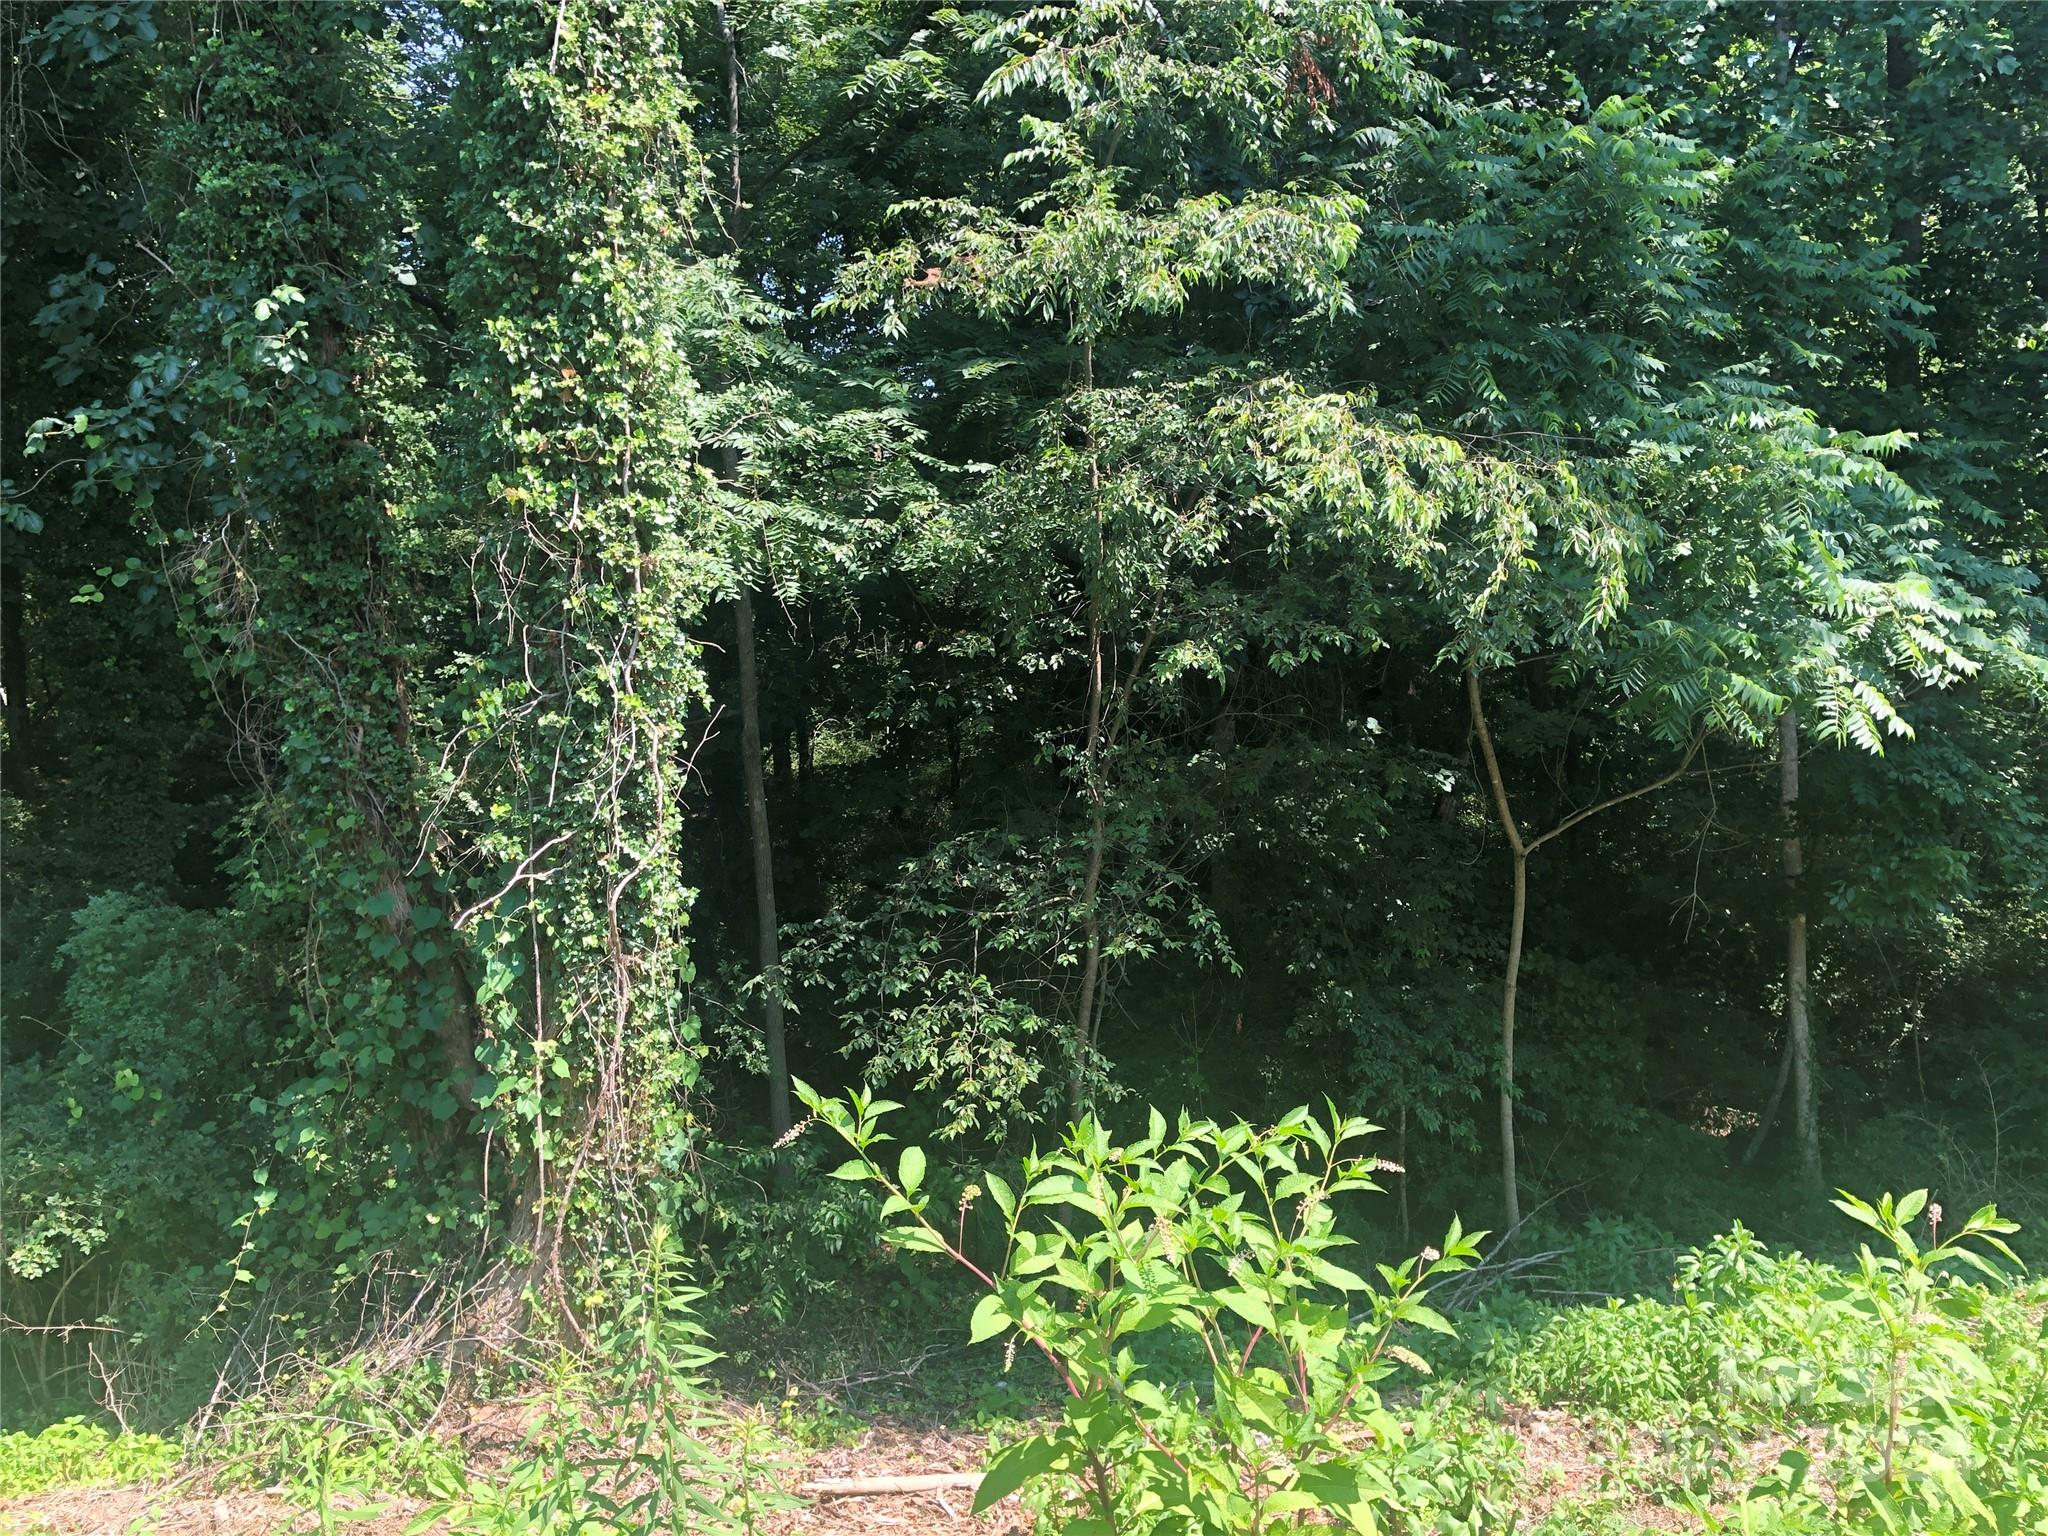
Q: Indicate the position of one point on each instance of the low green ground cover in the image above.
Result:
(1176, 1336)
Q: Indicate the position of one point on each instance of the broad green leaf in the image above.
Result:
(910, 1169)
(991, 1317)
(1013, 1467)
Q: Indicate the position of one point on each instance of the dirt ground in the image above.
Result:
(187, 1508)
(1570, 1462)
(888, 1450)
(1567, 1462)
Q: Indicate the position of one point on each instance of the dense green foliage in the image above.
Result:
(1890, 1394)
(75, 1453)
(1772, 1393)
(561, 564)
(1212, 1236)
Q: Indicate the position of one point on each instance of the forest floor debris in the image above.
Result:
(1569, 1462)
(886, 1449)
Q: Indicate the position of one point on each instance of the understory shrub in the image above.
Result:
(623, 1444)
(1909, 1391)
(128, 1150)
(1223, 1373)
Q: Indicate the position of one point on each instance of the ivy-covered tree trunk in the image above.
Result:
(580, 469)
(279, 395)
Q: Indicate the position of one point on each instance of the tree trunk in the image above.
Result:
(772, 1037)
(1511, 1197)
(1798, 1032)
(1091, 882)
(1522, 848)
(1098, 818)
(764, 866)
(1222, 742)
(1401, 1157)
(1769, 1117)
(13, 666)
(1908, 231)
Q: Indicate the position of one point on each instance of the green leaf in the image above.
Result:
(1252, 1308)
(1428, 1317)
(991, 1317)
(1338, 1276)
(1013, 1467)
(1857, 1210)
(1335, 1486)
(910, 1169)
(1000, 1191)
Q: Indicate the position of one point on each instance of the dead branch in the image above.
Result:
(919, 1482)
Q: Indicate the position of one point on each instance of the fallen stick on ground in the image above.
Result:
(921, 1482)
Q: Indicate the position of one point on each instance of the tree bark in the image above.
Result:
(1222, 742)
(772, 1038)
(1769, 1117)
(1798, 1029)
(1091, 881)
(1401, 1157)
(1510, 1187)
(1521, 849)
(1098, 816)
(1511, 1197)
(1908, 229)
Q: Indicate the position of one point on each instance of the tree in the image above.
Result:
(575, 432)
(1521, 847)
(758, 835)
(1106, 489)
(1798, 1031)
(260, 445)
(809, 452)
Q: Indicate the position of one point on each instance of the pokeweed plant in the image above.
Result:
(1929, 1345)
(1224, 1234)
(1939, 1383)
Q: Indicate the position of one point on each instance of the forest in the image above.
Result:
(1203, 766)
